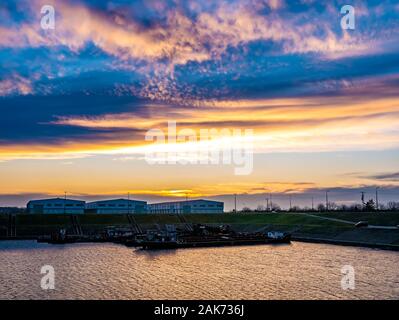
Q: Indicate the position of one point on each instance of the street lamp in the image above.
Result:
(327, 191)
(376, 198)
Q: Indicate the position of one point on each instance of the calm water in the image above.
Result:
(107, 271)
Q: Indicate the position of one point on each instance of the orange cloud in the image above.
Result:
(288, 125)
(15, 85)
(182, 39)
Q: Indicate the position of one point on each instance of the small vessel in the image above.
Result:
(61, 237)
(279, 236)
(119, 235)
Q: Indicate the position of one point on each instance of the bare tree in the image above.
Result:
(260, 208)
(370, 205)
(393, 205)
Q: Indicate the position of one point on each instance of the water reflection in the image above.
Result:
(108, 271)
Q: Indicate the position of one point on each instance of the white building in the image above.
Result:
(116, 206)
(187, 207)
(56, 206)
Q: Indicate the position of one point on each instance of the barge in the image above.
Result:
(192, 236)
(61, 237)
(205, 236)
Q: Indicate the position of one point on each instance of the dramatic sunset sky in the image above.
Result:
(76, 101)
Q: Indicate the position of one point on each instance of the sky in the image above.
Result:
(77, 101)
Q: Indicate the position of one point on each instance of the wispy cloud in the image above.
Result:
(180, 38)
(111, 70)
(15, 84)
(392, 177)
(184, 34)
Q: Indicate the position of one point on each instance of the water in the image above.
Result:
(108, 271)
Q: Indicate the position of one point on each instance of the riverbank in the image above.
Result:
(380, 246)
(108, 271)
(333, 228)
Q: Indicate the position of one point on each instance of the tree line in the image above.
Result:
(368, 206)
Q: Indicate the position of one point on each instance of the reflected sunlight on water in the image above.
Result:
(107, 271)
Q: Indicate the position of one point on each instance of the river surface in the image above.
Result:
(109, 271)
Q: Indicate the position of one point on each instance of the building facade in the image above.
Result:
(56, 206)
(117, 206)
(187, 207)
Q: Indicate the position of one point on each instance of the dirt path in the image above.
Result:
(330, 219)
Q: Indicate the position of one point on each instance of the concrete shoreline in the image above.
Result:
(381, 246)
(334, 228)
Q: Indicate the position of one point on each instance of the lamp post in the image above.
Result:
(235, 203)
(271, 202)
(376, 198)
(327, 199)
(128, 203)
(65, 196)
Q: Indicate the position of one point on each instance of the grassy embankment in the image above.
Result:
(300, 225)
(375, 218)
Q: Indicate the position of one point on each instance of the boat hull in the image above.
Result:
(158, 245)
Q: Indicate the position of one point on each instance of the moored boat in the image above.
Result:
(203, 236)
